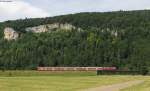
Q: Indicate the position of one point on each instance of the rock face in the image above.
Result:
(51, 27)
(10, 34)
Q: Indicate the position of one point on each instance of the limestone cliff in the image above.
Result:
(51, 27)
(10, 34)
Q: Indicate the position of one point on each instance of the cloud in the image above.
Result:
(58, 7)
(19, 9)
(114, 5)
(41, 8)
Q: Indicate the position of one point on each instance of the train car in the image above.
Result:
(106, 68)
(66, 68)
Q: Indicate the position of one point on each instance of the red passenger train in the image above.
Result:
(75, 68)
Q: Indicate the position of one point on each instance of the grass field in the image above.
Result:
(62, 81)
(141, 87)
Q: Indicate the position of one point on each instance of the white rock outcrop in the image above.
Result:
(10, 34)
(51, 27)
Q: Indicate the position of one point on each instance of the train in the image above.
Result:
(98, 70)
(75, 68)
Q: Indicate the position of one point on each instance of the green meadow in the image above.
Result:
(63, 81)
(141, 87)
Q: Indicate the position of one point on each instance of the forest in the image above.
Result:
(120, 39)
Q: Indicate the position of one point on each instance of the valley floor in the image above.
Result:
(64, 81)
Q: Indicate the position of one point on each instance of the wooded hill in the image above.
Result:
(120, 39)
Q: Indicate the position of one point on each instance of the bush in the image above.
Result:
(144, 70)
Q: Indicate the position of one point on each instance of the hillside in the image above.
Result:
(120, 39)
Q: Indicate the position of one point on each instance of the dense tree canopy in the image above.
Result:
(120, 39)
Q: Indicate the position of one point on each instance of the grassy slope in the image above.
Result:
(56, 81)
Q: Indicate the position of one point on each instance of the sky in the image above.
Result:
(20, 9)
